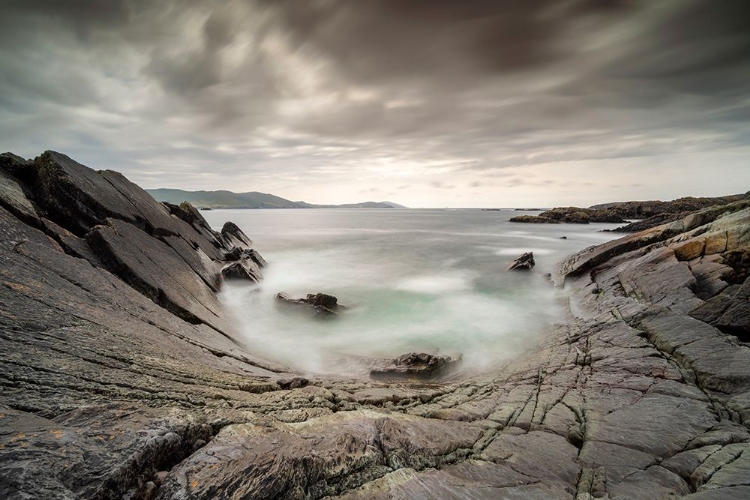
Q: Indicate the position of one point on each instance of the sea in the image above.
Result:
(411, 280)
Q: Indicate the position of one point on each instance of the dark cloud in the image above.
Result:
(434, 94)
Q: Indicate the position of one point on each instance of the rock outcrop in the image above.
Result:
(646, 209)
(652, 213)
(524, 262)
(416, 366)
(120, 380)
(573, 215)
(319, 304)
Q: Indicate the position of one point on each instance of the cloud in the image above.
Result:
(424, 94)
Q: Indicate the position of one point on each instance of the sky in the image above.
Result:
(427, 103)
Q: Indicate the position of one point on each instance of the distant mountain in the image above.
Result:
(228, 199)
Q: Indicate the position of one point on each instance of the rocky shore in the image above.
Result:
(122, 379)
(649, 213)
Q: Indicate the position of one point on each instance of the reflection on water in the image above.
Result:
(414, 280)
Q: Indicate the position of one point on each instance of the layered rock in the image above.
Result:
(110, 392)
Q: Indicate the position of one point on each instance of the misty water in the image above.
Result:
(412, 280)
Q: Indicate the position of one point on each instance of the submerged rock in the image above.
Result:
(524, 262)
(321, 304)
(533, 219)
(416, 365)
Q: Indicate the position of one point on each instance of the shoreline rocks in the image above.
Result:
(650, 213)
(571, 215)
(120, 377)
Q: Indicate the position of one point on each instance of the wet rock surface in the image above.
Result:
(318, 304)
(109, 392)
(524, 262)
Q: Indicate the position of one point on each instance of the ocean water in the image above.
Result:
(411, 280)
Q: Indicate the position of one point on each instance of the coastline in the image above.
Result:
(111, 392)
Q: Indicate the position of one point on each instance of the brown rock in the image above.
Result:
(715, 243)
(690, 249)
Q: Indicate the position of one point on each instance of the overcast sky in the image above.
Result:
(422, 102)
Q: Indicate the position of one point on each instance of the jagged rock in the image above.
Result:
(322, 300)
(14, 198)
(234, 235)
(416, 365)
(524, 262)
(246, 270)
(320, 304)
(156, 270)
(72, 244)
(238, 253)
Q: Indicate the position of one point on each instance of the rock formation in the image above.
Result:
(320, 304)
(646, 209)
(652, 213)
(121, 378)
(416, 366)
(524, 262)
(572, 215)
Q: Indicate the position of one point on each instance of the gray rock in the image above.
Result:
(416, 365)
(524, 262)
(319, 304)
(107, 393)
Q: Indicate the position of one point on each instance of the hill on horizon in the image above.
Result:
(252, 199)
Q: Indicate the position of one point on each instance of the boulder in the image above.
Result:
(524, 262)
(322, 300)
(416, 365)
(321, 304)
